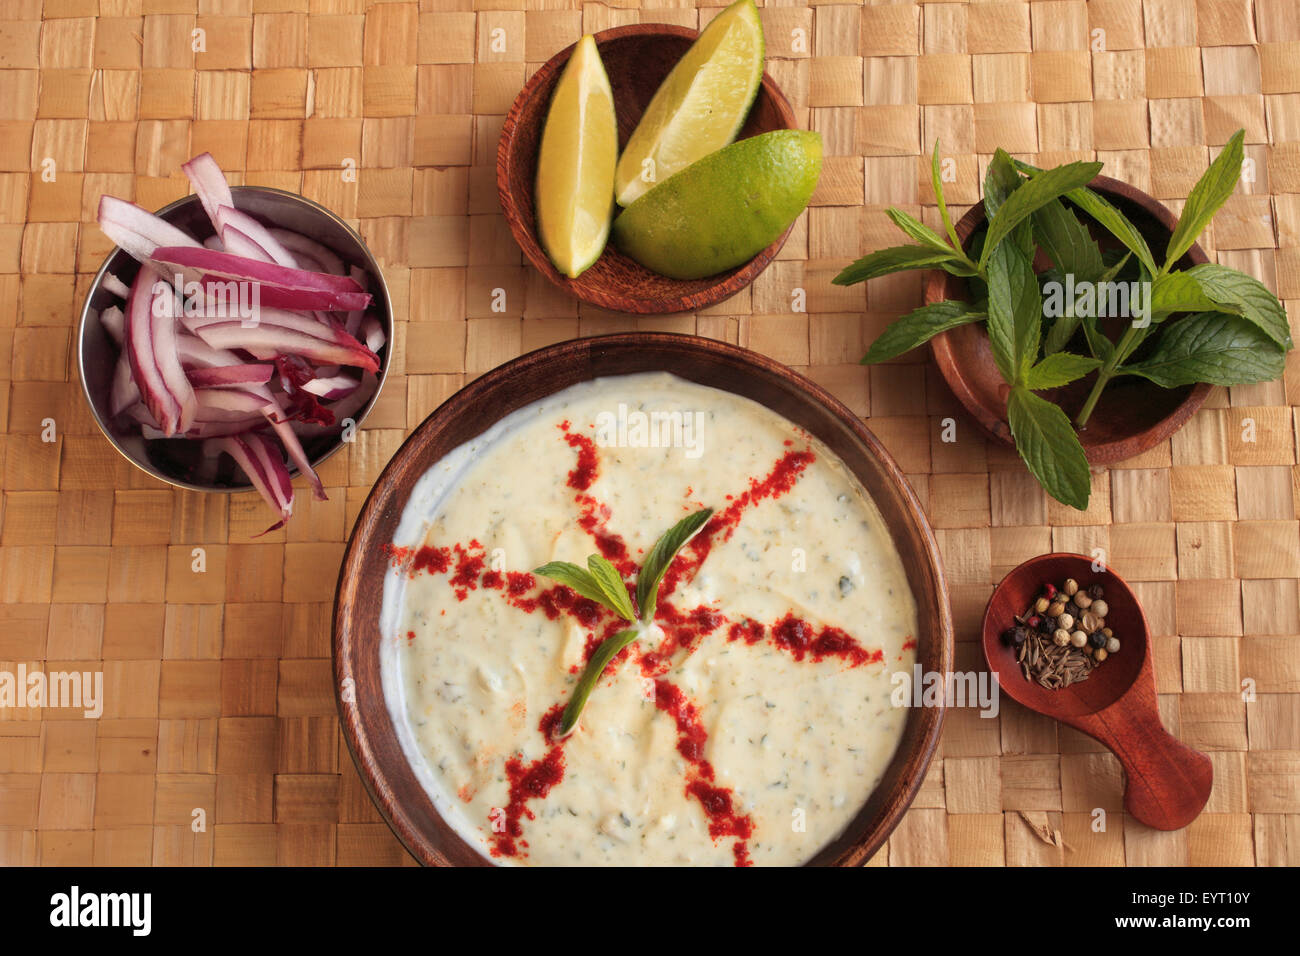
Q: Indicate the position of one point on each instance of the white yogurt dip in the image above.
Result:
(749, 725)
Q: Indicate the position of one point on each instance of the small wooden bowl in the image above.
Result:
(363, 712)
(637, 58)
(1132, 414)
(1168, 783)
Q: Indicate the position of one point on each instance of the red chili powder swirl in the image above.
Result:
(718, 803)
(531, 781)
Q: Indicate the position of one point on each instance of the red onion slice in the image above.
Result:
(257, 468)
(232, 218)
(115, 285)
(269, 340)
(124, 392)
(114, 322)
(167, 357)
(140, 353)
(301, 245)
(138, 232)
(241, 244)
(230, 375)
(210, 186)
(276, 415)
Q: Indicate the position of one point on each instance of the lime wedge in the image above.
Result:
(575, 164)
(701, 104)
(725, 209)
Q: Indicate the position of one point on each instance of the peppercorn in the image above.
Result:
(1100, 607)
(1112, 644)
(1097, 639)
(1061, 637)
(1049, 589)
(1056, 609)
(1090, 622)
(1042, 604)
(1078, 639)
(1066, 621)
(1071, 586)
(1095, 591)
(1107, 631)
(1083, 601)
(1015, 636)
(1034, 620)
(1100, 654)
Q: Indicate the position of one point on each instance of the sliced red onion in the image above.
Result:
(352, 321)
(228, 404)
(115, 285)
(195, 353)
(214, 243)
(301, 245)
(124, 391)
(167, 357)
(267, 341)
(210, 186)
(140, 353)
(280, 318)
(238, 219)
(228, 266)
(332, 387)
(373, 333)
(139, 232)
(230, 375)
(114, 322)
(346, 407)
(241, 244)
(269, 486)
(276, 415)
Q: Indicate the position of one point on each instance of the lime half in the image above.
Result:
(575, 164)
(725, 209)
(700, 106)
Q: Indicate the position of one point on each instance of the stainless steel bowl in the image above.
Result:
(174, 460)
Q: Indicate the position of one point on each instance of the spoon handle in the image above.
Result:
(1168, 783)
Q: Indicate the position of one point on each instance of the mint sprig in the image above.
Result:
(1206, 324)
(602, 583)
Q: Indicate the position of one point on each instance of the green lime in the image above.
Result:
(575, 164)
(701, 104)
(725, 209)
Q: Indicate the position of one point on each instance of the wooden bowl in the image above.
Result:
(363, 711)
(1168, 783)
(1132, 414)
(637, 58)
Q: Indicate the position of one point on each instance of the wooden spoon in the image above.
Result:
(1168, 783)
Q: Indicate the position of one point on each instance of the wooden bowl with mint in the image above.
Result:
(1076, 318)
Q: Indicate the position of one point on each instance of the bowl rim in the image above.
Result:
(171, 207)
(995, 427)
(346, 644)
(727, 283)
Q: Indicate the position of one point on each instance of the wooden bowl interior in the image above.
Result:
(637, 58)
(366, 722)
(1111, 679)
(175, 461)
(1132, 414)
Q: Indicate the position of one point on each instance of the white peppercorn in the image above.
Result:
(1061, 637)
(1112, 645)
(1083, 601)
(1100, 607)
(1079, 639)
(1071, 586)
(1065, 621)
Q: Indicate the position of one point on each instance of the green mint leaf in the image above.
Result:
(894, 259)
(1180, 292)
(1015, 311)
(1000, 181)
(936, 180)
(661, 556)
(918, 230)
(611, 585)
(1210, 192)
(918, 327)
(1067, 242)
(591, 675)
(1050, 447)
(1212, 347)
(1033, 195)
(580, 580)
(1116, 268)
(1110, 218)
(1235, 291)
(1059, 368)
(1100, 346)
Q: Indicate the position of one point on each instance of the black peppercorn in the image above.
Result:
(1097, 639)
(1014, 636)
(1095, 591)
